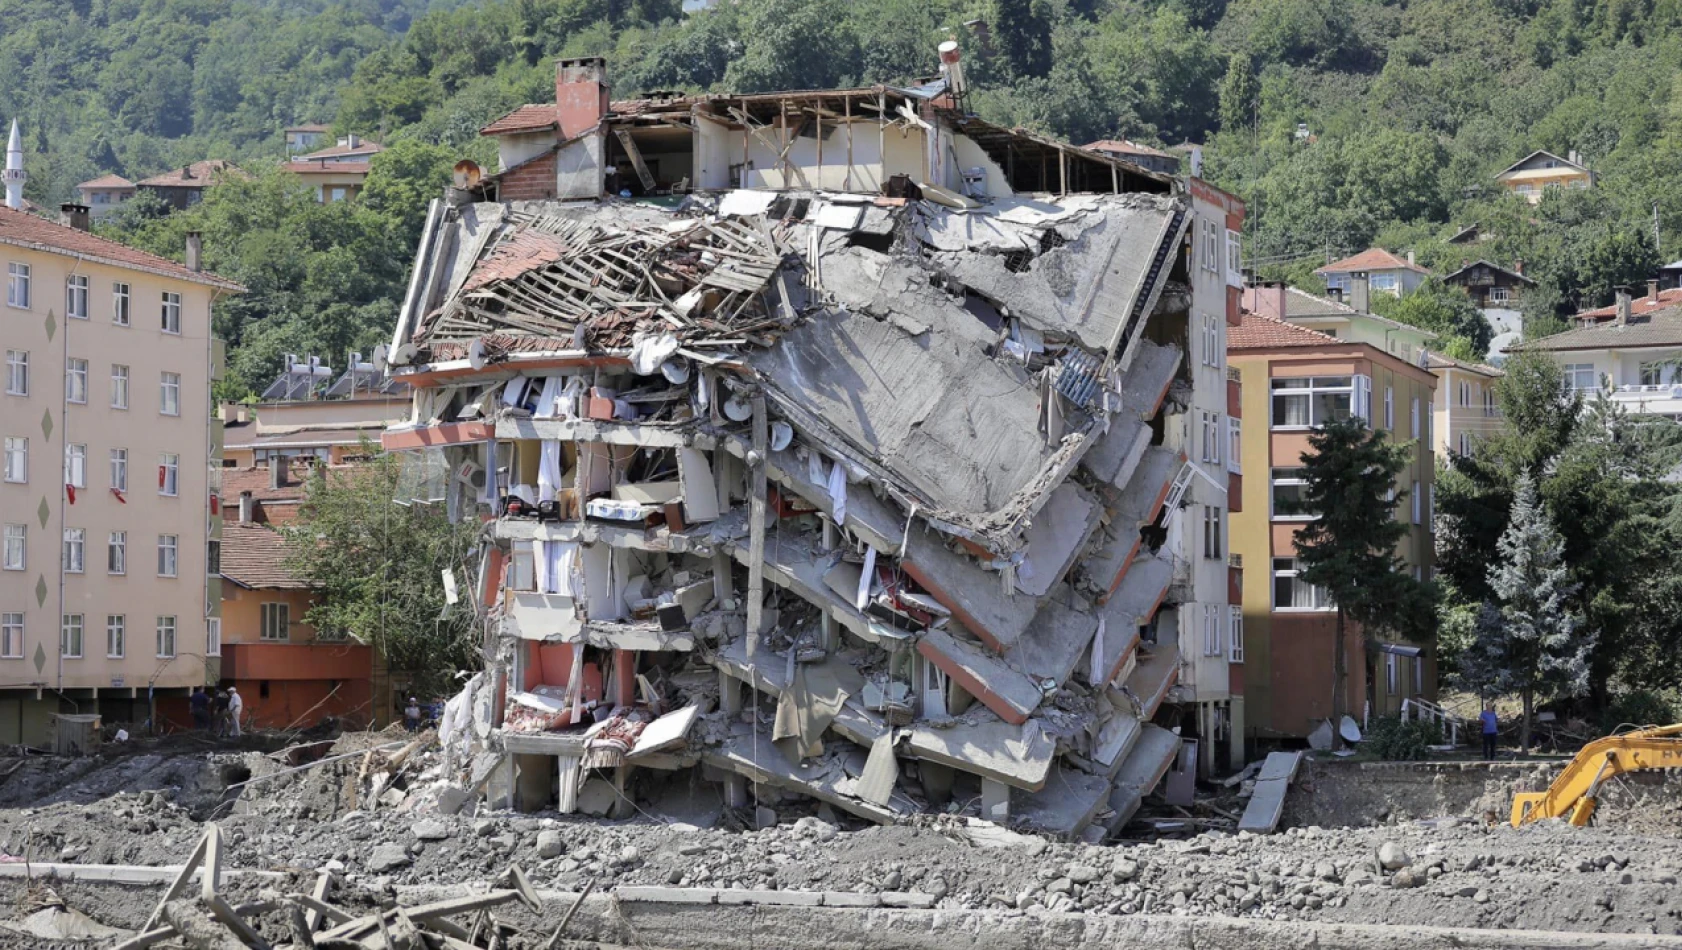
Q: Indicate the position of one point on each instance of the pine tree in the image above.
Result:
(1350, 547)
(1530, 640)
(1238, 93)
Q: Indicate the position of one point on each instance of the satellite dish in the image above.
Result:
(782, 434)
(403, 354)
(467, 174)
(675, 371)
(379, 357)
(737, 409)
(476, 354)
(1348, 730)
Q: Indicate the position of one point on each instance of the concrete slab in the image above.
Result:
(666, 895)
(848, 899)
(1145, 384)
(912, 899)
(794, 561)
(1065, 806)
(987, 677)
(1280, 766)
(1116, 739)
(1052, 645)
(1141, 500)
(972, 594)
(1267, 800)
(1116, 453)
(1156, 674)
(772, 898)
(768, 673)
(761, 761)
(1058, 534)
(1017, 755)
(657, 435)
(1144, 768)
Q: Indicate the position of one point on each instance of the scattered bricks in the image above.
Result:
(913, 899)
(667, 895)
(848, 899)
(783, 898)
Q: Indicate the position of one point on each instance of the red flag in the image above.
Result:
(119, 495)
(70, 490)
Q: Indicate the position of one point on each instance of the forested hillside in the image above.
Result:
(1409, 108)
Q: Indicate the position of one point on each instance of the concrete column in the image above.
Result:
(995, 800)
(534, 780)
(1206, 748)
(621, 807)
(1236, 757)
(730, 700)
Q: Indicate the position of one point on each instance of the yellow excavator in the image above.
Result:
(1574, 793)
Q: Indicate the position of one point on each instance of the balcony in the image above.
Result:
(1659, 399)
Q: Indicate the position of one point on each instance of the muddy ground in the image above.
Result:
(146, 807)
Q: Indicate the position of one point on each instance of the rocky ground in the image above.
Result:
(1452, 868)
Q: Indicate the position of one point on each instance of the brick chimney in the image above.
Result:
(1623, 308)
(1653, 290)
(580, 94)
(1359, 291)
(195, 248)
(246, 506)
(277, 472)
(1266, 298)
(1518, 266)
(75, 215)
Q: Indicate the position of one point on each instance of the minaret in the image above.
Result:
(14, 174)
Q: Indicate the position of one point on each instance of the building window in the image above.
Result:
(1211, 252)
(166, 637)
(116, 553)
(1390, 674)
(1235, 635)
(119, 469)
(1234, 444)
(17, 372)
(119, 304)
(17, 459)
(168, 547)
(1489, 401)
(1390, 408)
(169, 474)
(1465, 445)
(213, 637)
(1234, 259)
(17, 285)
(1465, 394)
(1308, 402)
(1211, 437)
(76, 380)
(1212, 533)
(76, 465)
(1386, 284)
(1500, 296)
(76, 297)
(15, 555)
(213, 558)
(1418, 502)
(1291, 592)
(11, 636)
(169, 394)
(172, 312)
(1652, 374)
(1430, 420)
(1289, 487)
(1415, 421)
(1213, 352)
(119, 386)
(1581, 377)
(275, 621)
(70, 637)
(75, 549)
(115, 627)
(1214, 625)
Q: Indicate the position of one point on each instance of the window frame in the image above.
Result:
(274, 621)
(1571, 372)
(1274, 481)
(170, 313)
(169, 544)
(1235, 634)
(1234, 258)
(70, 647)
(169, 394)
(76, 464)
(1321, 600)
(116, 633)
(14, 539)
(18, 289)
(169, 474)
(1235, 444)
(76, 291)
(75, 543)
(1418, 502)
(1312, 391)
(119, 470)
(119, 386)
(116, 553)
(122, 302)
(213, 636)
(166, 623)
(75, 368)
(15, 447)
(17, 373)
(1213, 547)
(13, 623)
(1500, 295)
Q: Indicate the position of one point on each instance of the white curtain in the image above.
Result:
(549, 470)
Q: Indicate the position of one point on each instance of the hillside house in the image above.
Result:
(1533, 174)
(1385, 273)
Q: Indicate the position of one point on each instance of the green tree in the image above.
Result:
(1444, 310)
(1349, 549)
(1530, 638)
(1239, 90)
(1021, 31)
(375, 568)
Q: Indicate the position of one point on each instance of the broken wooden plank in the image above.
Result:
(179, 885)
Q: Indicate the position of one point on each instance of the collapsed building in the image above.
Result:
(836, 442)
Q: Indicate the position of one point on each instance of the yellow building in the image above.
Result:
(1295, 379)
(1467, 413)
(108, 581)
(1530, 176)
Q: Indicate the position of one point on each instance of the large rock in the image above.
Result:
(1392, 856)
(428, 830)
(550, 844)
(387, 857)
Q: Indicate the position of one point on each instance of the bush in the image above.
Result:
(1640, 707)
(1394, 740)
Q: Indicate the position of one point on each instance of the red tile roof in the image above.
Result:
(327, 168)
(533, 117)
(236, 481)
(1124, 147)
(28, 230)
(308, 127)
(1258, 332)
(1641, 304)
(197, 175)
(254, 557)
(524, 251)
(107, 181)
(1373, 258)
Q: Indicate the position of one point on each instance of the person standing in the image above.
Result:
(235, 707)
(1490, 724)
(200, 704)
(219, 712)
(412, 715)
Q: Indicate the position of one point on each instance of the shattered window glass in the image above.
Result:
(423, 478)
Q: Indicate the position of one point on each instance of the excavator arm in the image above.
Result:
(1574, 793)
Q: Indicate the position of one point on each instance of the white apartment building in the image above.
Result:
(109, 457)
(1634, 354)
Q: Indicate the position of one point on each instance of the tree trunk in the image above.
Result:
(1340, 674)
(1524, 725)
